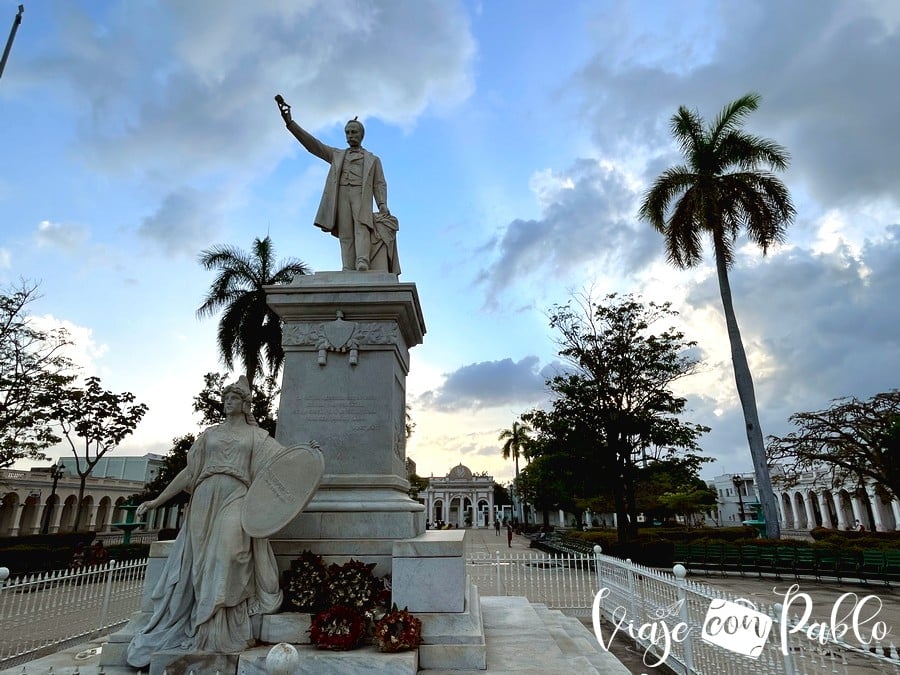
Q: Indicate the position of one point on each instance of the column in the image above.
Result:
(41, 514)
(876, 509)
(839, 510)
(92, 517)
(895, 507)
(16, 520)
(810, 511)
(56, 518)
(786, 521)
(107, 526)
(859, 511)
(826, 512)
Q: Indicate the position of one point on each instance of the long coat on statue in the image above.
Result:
(374, 186)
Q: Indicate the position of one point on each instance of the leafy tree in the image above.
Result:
(93, 422)
(175, 460)
(501, 495)
(853, 440)
(672, 476)
(725, 186)
(31, 365)
(249, 330)
(615, 411)
(690, 501)
(546, 482)
(417, 484)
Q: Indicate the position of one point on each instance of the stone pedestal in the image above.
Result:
(346, 338)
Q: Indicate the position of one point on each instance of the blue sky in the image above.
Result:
(516, 138)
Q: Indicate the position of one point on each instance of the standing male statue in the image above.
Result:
(368, 239)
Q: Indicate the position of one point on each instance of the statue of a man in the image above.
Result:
(368, 239)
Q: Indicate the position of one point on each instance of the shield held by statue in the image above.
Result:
(282, 489)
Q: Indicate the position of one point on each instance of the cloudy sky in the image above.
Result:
(517, 139)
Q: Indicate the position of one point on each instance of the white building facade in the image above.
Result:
(460, 499)
(37, 501)
(809, 502)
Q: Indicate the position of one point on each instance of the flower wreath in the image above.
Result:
(338, 628)
(397, 631)
(353, 585)
(304, 583)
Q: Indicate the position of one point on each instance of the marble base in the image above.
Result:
(436, 555)
(181, 663)
(290, 627)
(363, 661)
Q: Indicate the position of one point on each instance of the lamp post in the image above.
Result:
(57, 471)
(738, 481)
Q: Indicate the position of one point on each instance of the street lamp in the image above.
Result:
(57, 471)
(738, 481)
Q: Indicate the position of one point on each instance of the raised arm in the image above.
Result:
(307, 140)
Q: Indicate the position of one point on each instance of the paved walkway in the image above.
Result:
(488, 542)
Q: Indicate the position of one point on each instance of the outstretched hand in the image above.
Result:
(142, 508)
(283, 108)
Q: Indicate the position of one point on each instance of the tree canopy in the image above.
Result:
(92, 421)
(852, 441)
(31, 365)
(614, 411)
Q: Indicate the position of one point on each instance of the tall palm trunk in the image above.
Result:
(744, 381)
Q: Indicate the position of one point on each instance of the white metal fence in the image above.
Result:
(45, 611)
(648, 605)
(52, 609)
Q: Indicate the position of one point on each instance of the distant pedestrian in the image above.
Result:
(496, 527)
(509, 531)
(99, 555)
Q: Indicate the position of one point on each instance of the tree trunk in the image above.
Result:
(79, 508)
(621, 515)
(744, 381)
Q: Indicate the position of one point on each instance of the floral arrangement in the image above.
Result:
(356, 601)
(353, 585)
(304, 584)
(339, 628)
(397, 631)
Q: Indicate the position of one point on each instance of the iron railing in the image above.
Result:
(41, 612)
(674, 620)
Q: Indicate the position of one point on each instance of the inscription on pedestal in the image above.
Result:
(354, 414)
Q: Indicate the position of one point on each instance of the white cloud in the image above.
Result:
(65, 236)
(84, 351)
(5, 259)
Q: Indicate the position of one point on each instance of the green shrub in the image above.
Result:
(167, 534)
(124, 552)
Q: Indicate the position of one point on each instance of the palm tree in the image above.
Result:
(248, 330)
(516, 440)
(725, 186)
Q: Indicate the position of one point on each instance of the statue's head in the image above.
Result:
(355, 132)
(241, 388)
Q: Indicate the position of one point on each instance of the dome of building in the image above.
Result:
(460, 472)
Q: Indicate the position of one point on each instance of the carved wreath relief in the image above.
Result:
(340, 336)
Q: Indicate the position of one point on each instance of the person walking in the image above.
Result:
(496, 527)
(509, 532)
